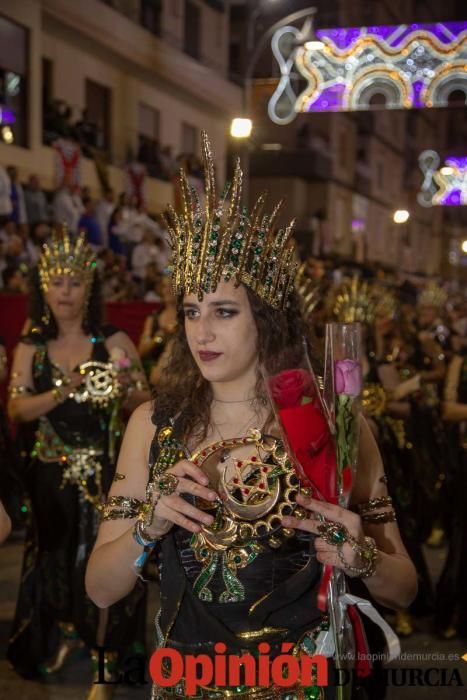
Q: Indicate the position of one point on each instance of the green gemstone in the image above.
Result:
(338, 536)
(313, 692)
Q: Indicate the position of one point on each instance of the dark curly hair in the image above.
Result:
(36, 309)
(182, 388)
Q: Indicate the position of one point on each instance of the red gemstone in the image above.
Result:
(240, 464)
(195, 461)
(261, 486)
(246, 491)
(264, 469)
(236, 481)
(203, 453)
(254, 459)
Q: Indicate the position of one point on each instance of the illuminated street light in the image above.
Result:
(7, 135)
(401, 216)
(241, 128)
(464, 246)
(314, 45)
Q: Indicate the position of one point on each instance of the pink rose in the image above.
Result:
(123, 363)
(348, 377)
(290, 386)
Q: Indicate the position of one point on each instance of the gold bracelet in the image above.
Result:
(368, 553)
(19, 390)
(387, 516)
(57, 394)
(374, 504)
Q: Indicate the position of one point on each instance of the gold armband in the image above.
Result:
(20, 390)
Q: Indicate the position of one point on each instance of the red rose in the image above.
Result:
(290, 386)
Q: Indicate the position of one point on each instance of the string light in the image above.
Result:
(442, 186)
(411, 66)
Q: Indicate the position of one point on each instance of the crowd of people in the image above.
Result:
(201, 479)
(131, 245)
(414, 359)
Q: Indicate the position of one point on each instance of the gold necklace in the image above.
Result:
(225, 454)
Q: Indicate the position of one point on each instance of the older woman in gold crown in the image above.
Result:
(207, 479)
(71, 377)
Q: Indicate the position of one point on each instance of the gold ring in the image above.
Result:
(334, 533)
(167, 484)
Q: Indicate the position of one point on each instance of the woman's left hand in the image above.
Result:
(327, 553)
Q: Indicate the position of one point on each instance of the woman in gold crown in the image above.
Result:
(207, 479)
(71, 376)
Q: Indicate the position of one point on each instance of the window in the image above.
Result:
(98, 106)
(151, 15)
(380, 175)
(47, 82)
(192, 29)
(149, 151)
(49, 113)
(189, 139)
(343, 149)
(14, 43)
(149, 121)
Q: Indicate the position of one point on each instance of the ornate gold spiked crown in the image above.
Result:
(432, 295)
(65, 256)
(357, 300)
(218, 240)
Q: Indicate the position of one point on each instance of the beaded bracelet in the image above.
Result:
(142, 539)
(368, 552)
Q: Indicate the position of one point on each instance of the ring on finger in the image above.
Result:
(334, 533)
(167, 484)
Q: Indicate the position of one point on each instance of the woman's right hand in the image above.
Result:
(174, 510)
(72, 382)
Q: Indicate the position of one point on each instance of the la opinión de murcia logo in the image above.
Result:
(168, 667)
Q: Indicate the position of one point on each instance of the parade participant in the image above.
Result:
(430, 347)
(387, 407)
(221, 498)
(159, 328)
(71, 377)
(10, 490)
(5, 523)
(451, 606)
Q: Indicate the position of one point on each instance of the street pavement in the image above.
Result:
(72, 682)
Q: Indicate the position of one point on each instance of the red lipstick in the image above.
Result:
(206, 356)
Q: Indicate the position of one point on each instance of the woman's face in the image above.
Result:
(66, 296)
(221, 333)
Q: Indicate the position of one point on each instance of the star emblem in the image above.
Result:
(250, 477)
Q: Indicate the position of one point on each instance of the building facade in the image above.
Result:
(139, 69)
